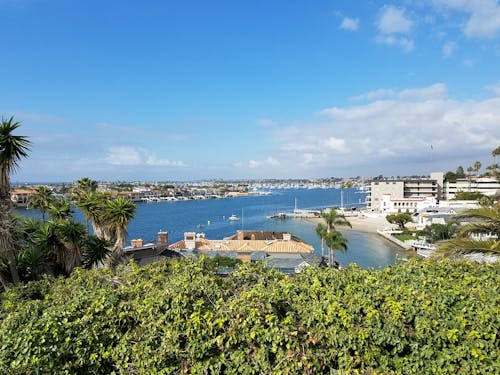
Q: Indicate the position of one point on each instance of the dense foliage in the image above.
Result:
(173, 317)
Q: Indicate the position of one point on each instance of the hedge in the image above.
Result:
(179, 317)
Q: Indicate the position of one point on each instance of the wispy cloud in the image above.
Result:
(398, 126)
(449, 49)
(349, 24)
(393, 20)
(393, 24)
(483, 16)
(267, 122)
(132, 156)
(255, 164)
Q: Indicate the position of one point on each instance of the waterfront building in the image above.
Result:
(20, 197)
(485, 185)
(404, 194)
(400, 195)
(280, 250)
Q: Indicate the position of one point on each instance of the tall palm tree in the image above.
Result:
(118, 213)
(12, 149)
(93, 206)
(328, 233)
(84, 186)
(335, 241)
(72, 236)
(60, 209)
(41, 199)
(477, 167)
(332, 217)
(321, 232)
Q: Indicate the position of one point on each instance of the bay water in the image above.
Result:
(211, 216)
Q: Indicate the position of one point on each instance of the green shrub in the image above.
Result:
(171, 317)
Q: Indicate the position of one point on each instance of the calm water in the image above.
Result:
(211, 217)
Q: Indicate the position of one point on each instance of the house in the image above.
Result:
(145, 253)
(20, 197)
(280, 250)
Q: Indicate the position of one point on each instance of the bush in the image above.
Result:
(412, 318)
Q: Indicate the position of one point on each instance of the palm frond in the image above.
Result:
(460, 247)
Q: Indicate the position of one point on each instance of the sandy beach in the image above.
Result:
(359, 223)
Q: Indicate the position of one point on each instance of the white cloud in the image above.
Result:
(131, 156)
(268, 162)
(494, 88)
(397, 129)
(483, 16)
(152, 160)
(349, 24)
(391, 23)
(449, 49)
(393, 20)
(123, 155)
(406, 44)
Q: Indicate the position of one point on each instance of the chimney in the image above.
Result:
(137, 243)
(163, 238)
(190, 240)
(239, 235)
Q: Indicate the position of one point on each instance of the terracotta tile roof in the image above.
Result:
(275, 246)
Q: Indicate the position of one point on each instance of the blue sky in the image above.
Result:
(186, 90)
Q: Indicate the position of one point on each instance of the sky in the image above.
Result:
(197, 89)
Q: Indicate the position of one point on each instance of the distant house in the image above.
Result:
(20, 197)
(280, 250)
(145, 253)
(433, 215)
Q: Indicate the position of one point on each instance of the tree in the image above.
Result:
(41, 200)
(334, 240)
(13, 148)
(329, 235)
(495, 152)
(72, 236)
(117, 214)
(84, 186)
(483, 222)
(460, 172)
(440, 232)
(94, 251)
(60, 209)
(93, 206)
(400, 219)
(477, 167)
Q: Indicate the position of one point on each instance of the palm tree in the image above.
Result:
(485, 222)
(328, 233)
(93, 206)
(335, 241)
(60, 209)
(72, 236)
(477, 167)
(41, 199)
(12, 149)
(321, 232)
(118, 212)
(332, 218)
(94, 251)
(84, 186)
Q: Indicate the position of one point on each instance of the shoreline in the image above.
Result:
(359, 224)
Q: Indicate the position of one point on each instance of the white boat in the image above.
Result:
(233, 217)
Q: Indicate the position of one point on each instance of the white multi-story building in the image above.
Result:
(397, 195)
(484, 185)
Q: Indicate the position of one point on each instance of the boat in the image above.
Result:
(233, 217)
(278, 215)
